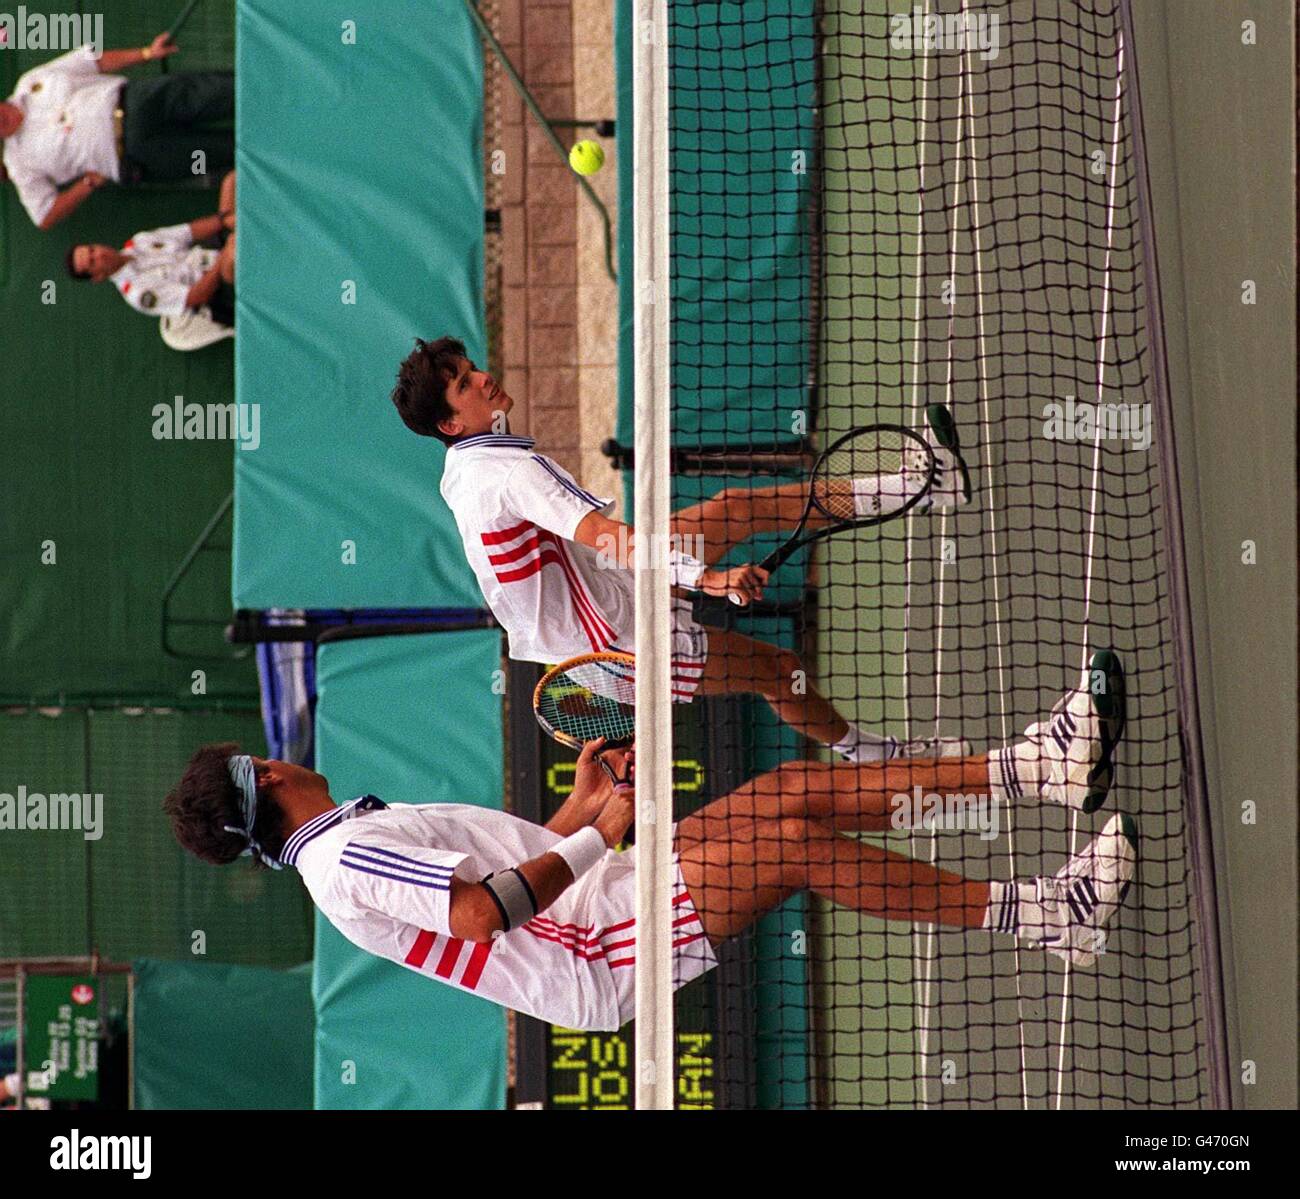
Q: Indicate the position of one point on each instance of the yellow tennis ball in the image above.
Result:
(587, 157)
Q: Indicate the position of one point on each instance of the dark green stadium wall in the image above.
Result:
(80, 376)
(80, 468)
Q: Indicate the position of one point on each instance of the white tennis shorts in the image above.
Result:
(612, 910)
(690, 653)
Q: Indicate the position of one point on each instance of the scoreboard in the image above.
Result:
(566, 1068)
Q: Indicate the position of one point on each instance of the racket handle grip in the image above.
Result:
(717, 610)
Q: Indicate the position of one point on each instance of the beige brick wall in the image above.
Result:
(560, 308)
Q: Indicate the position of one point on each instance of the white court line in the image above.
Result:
(1094, 490)
(987, 488)
(922, 941)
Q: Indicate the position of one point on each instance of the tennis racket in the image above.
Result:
(590, 696)
(177, 25)
(868, 476)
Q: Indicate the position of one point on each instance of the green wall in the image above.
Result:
(1221, 144)
(80, 467)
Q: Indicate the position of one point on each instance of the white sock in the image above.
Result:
(1015, 908)
(857, 745)
(1015, 771)
(876, 495)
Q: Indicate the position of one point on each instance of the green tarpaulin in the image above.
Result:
(361, 226)
(221, 1037)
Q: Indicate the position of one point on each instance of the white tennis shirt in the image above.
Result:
(67, 129)
(382, 876)
(517, 511)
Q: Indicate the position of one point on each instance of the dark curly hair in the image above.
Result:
(206, 799)
(420, 395)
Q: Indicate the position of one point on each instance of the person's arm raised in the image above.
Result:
(113, 61)
(480, 911)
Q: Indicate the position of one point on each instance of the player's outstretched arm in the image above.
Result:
(616, 542)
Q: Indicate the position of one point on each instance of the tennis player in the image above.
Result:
(553, 565)
(541, 918)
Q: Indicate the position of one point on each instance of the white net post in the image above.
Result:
(654, 755)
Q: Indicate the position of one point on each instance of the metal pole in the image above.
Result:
(654, 760)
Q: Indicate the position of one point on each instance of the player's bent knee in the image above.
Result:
(787, 674)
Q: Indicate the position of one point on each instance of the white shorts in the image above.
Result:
(612, 910)
(690, 652)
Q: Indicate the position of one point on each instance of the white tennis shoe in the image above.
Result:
(1076, 744)
(951, 487)
(1079, 900)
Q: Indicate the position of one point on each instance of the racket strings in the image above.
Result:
(869, 473)
(590, 700)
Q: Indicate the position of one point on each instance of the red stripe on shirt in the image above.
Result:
(497, 536)
(419, 952)
(603, 633)
(447, 963)
(577, 951)
(519, 550)
(477, 960)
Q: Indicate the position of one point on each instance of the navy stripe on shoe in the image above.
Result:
(1061, 737)
(1010, 780)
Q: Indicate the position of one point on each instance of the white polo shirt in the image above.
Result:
(162, 265)
(67, 129)
(517, 511)
(382, 876)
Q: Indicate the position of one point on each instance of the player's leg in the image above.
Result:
(740, 665)
(1069, 759)
(226, 261)
(847, 796)
(736, 879)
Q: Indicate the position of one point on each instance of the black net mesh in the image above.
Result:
(875, 208)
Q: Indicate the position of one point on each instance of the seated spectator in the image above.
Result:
(171, 271)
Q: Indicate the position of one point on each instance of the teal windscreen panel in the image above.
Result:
(412, 719)
(743, 102)
(220, 1037)
(361, 227)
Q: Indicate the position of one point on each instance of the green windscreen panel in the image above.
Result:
(743, 143)
(222, 1037)
(411, 720)
(361, 227)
